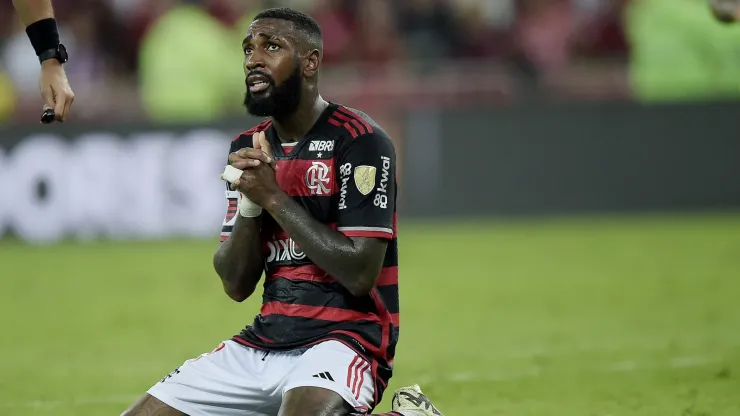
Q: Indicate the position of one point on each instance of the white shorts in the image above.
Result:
(238, 380)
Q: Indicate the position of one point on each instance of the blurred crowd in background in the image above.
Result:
(181, 60)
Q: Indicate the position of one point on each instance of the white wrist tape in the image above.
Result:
(231, 174)
(247, 208)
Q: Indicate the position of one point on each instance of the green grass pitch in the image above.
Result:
(580, 317)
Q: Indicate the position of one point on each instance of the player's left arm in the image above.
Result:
(353, 254)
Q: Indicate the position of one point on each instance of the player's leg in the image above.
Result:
(151, 406)
(314, 401)
(340, 379)
(232, 380)
(331, 379)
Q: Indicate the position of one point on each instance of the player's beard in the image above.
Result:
(278, 99)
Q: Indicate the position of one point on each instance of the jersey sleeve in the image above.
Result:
(243, 140)
(367, 181)
(232, 199)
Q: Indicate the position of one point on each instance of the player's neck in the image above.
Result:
(293, 127)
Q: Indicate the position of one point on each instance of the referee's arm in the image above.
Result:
(31, 11)
(41, 28)
(725, 11)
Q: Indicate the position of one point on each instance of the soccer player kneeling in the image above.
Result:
(312, 204)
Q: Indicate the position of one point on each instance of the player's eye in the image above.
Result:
(273, 47)
(247, 50)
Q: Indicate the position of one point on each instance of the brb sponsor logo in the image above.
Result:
(381, 195)
(285, 250)
(321, 146)
(317, 178)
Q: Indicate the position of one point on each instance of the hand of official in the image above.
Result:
(725, 11)
(258, 181)
(55, 89)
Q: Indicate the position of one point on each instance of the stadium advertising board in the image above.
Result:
(539, 159)
(112, 184)
(152, 181)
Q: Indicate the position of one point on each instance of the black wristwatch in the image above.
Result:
(59, 53)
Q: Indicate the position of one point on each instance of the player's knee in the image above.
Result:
(313, 401)
(150, 405)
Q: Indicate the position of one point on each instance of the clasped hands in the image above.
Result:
(257, 182)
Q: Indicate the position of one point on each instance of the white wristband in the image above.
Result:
(247, 208)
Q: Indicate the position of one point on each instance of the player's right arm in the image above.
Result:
(239, 260)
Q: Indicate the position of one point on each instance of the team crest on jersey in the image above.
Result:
(317, 178)
(365, 178)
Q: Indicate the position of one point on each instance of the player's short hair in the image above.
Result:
(304, 24)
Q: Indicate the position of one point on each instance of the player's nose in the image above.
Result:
(255, 61)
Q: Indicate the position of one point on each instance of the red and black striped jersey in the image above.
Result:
(343, 172)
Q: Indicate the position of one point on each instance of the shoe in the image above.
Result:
(412, 402)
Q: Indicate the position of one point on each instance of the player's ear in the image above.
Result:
(311, 63)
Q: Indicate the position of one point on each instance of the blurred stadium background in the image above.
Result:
(570, 185)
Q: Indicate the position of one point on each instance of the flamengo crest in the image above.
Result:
(317, 178)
